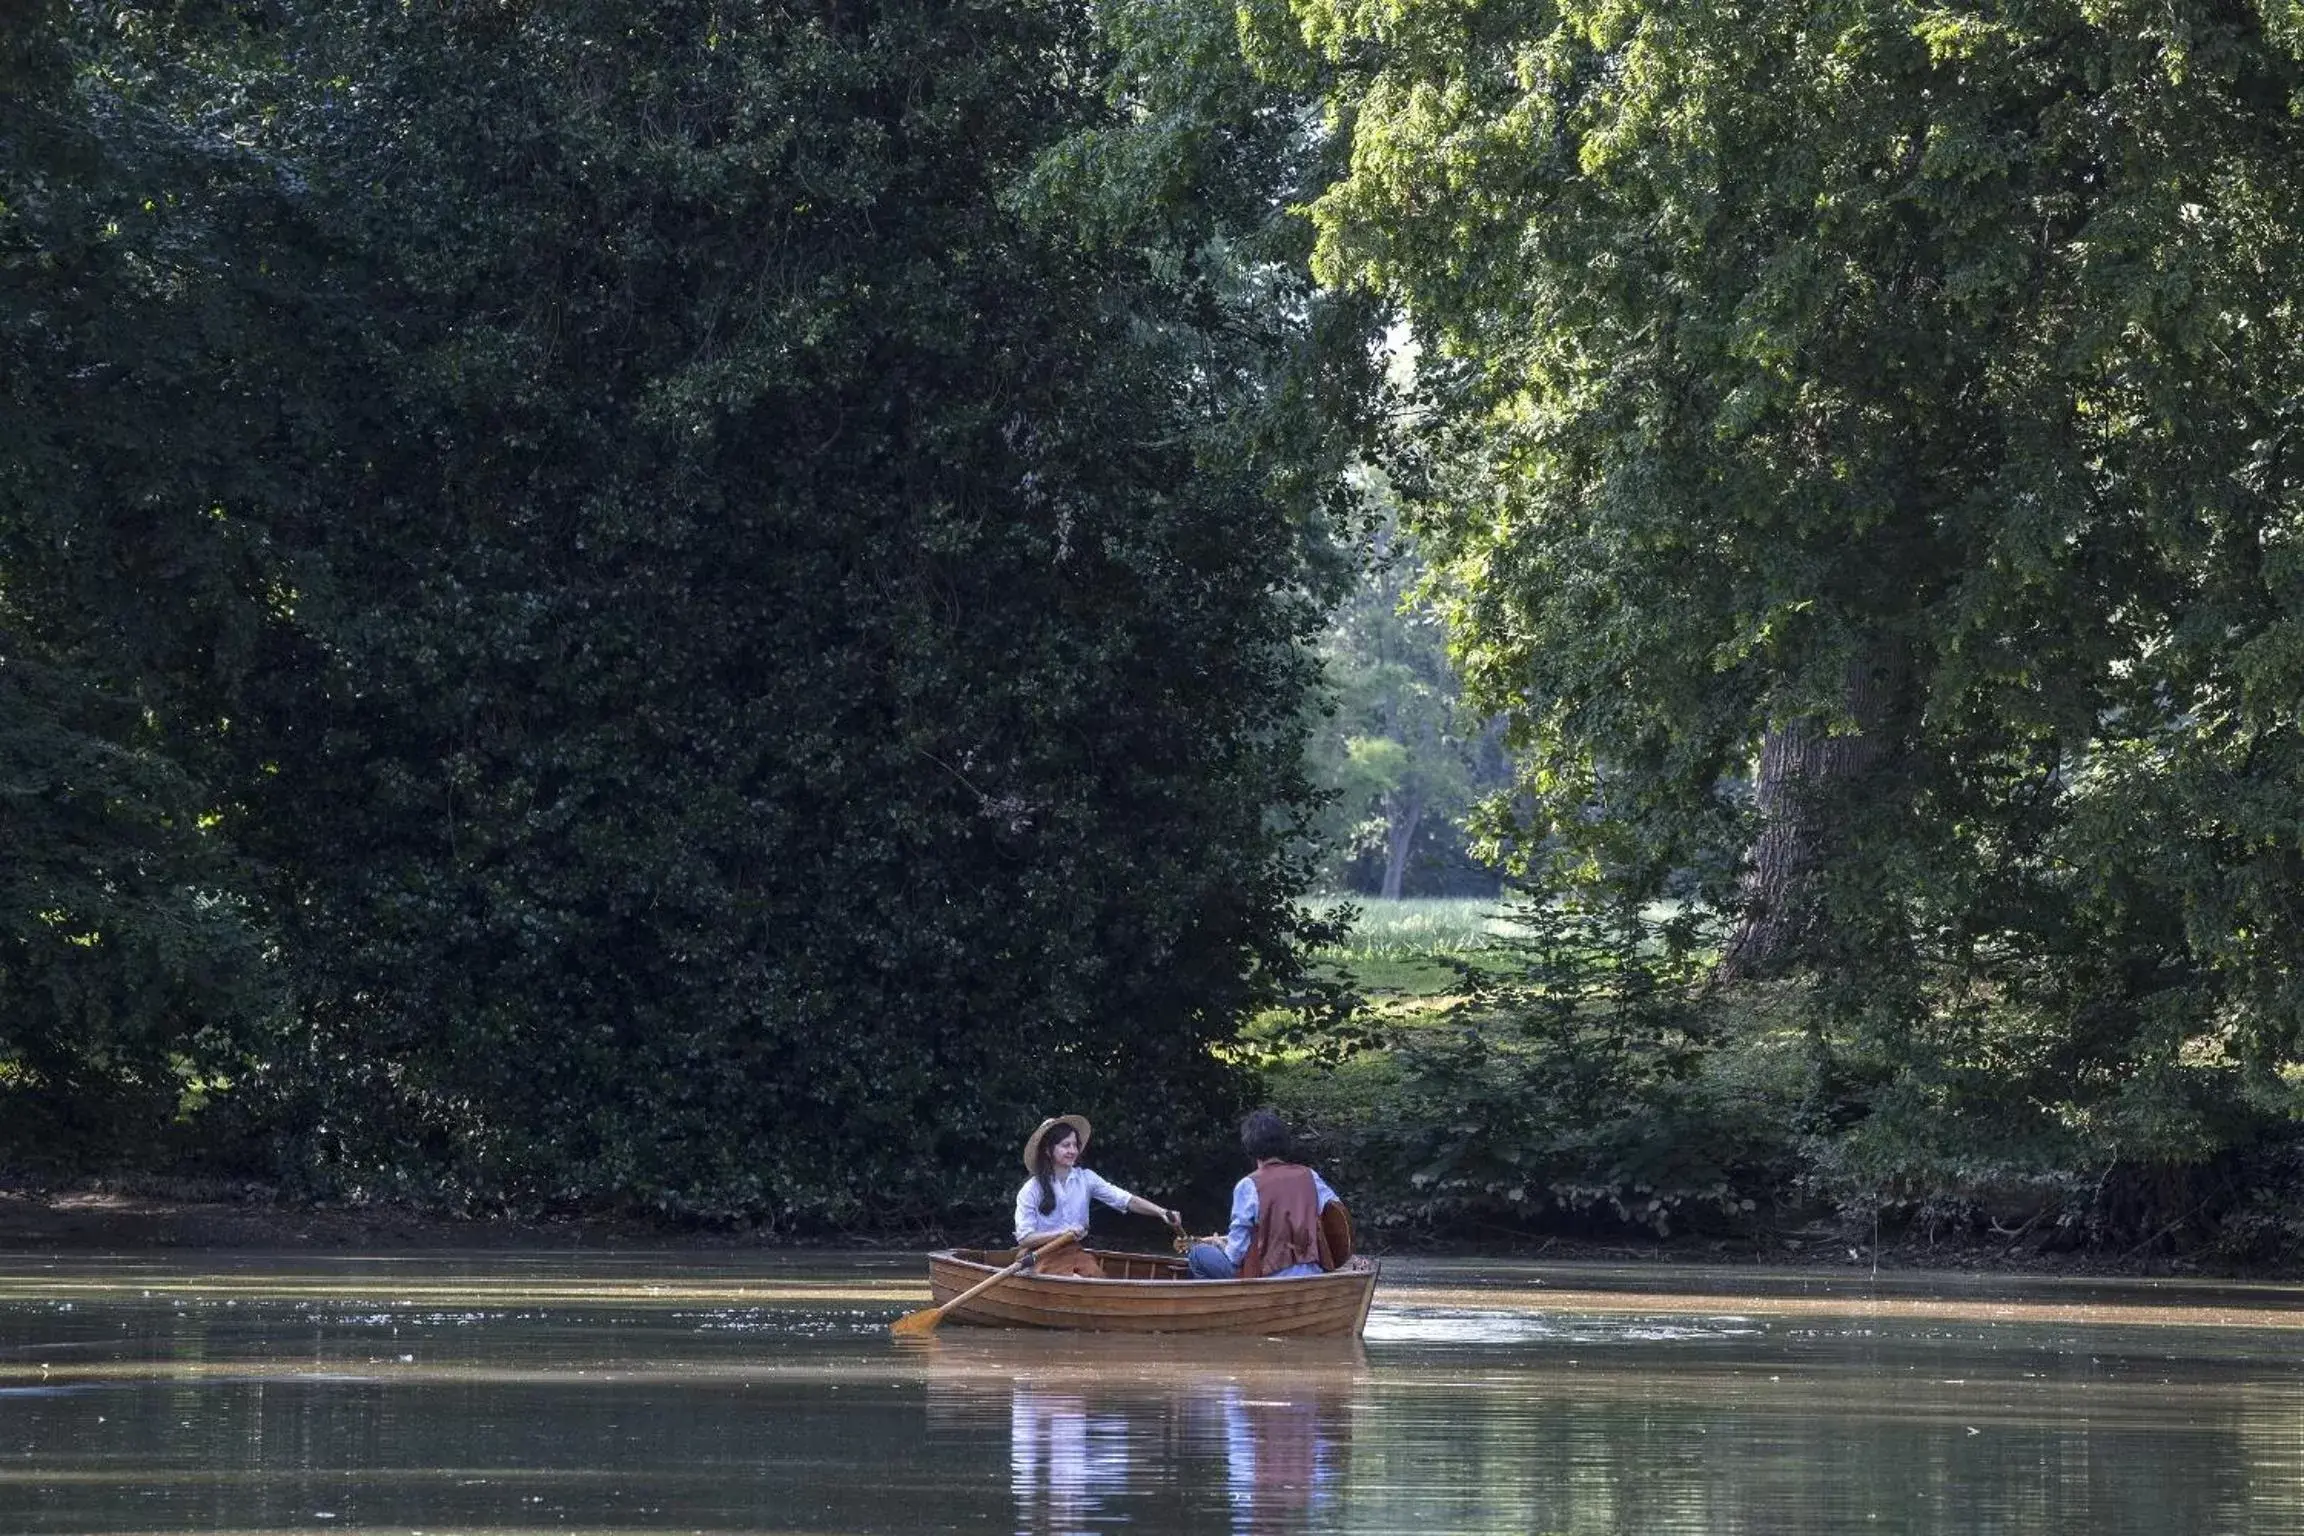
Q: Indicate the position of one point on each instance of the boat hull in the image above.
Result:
(1149, 1293)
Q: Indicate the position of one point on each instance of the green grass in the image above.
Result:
(1418, 927)
(1409, 949)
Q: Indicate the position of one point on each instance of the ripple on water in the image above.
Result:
(1471, 1326)
(786, 1322)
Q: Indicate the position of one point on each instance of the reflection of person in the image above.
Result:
(1280, 1461)
(1276, 1229)
(1055, 1199)
(1063, 1461)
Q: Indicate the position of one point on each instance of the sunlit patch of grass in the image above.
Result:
(1406, 959)
(1403, 976)
(1416, 947)
(1418, 927)
(1343, 1093)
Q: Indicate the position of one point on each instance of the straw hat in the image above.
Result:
(1079, 1124)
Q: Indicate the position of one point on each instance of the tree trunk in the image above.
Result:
(1399, 837)
(1802, 763)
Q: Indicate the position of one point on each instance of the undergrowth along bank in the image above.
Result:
(1516, 1069)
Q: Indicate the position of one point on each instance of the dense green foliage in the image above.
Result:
(134, 422)
(771, 634)
(1918, 379)
(1560, 1068)
(716, 606)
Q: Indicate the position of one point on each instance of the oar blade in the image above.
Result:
(925, 1322)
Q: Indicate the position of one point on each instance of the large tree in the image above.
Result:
(800, 675)
(1893, 405)
(706, 605)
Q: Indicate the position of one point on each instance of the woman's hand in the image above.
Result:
(1144, 1207)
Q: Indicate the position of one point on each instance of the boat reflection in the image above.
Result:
(1251, 1435)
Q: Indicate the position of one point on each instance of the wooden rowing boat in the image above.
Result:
(1153, 1293)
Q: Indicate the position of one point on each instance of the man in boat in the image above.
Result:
(1055, 1199)
(1276, 1228)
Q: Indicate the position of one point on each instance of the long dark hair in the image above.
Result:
(1044, 1164)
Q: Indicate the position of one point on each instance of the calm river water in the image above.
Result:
(695, 1393)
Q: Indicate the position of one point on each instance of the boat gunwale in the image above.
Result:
(1330, 1305)
(1199, 1286)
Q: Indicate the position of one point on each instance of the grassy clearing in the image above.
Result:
(1418, 926)
(1442, 1130)
(1410, 949)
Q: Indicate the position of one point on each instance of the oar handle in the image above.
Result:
(1030, 1258)
(921, 1322)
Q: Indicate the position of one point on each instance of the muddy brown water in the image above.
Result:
(698, 1393)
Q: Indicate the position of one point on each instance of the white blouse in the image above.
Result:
(1073, 1191)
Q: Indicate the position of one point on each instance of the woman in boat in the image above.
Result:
(1055, 1199)
(1276, 1228)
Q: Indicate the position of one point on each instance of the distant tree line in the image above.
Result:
(1401, 754)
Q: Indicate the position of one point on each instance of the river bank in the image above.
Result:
(103, 1219)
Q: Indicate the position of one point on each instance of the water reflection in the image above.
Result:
(1285, 1458)
(1064, 1458)
(664, 1394)
(1105, 1430)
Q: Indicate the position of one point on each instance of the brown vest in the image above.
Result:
(1287, 1222)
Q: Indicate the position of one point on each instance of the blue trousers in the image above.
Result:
(1210, 1262)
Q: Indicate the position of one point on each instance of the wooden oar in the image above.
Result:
(925, 1321)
